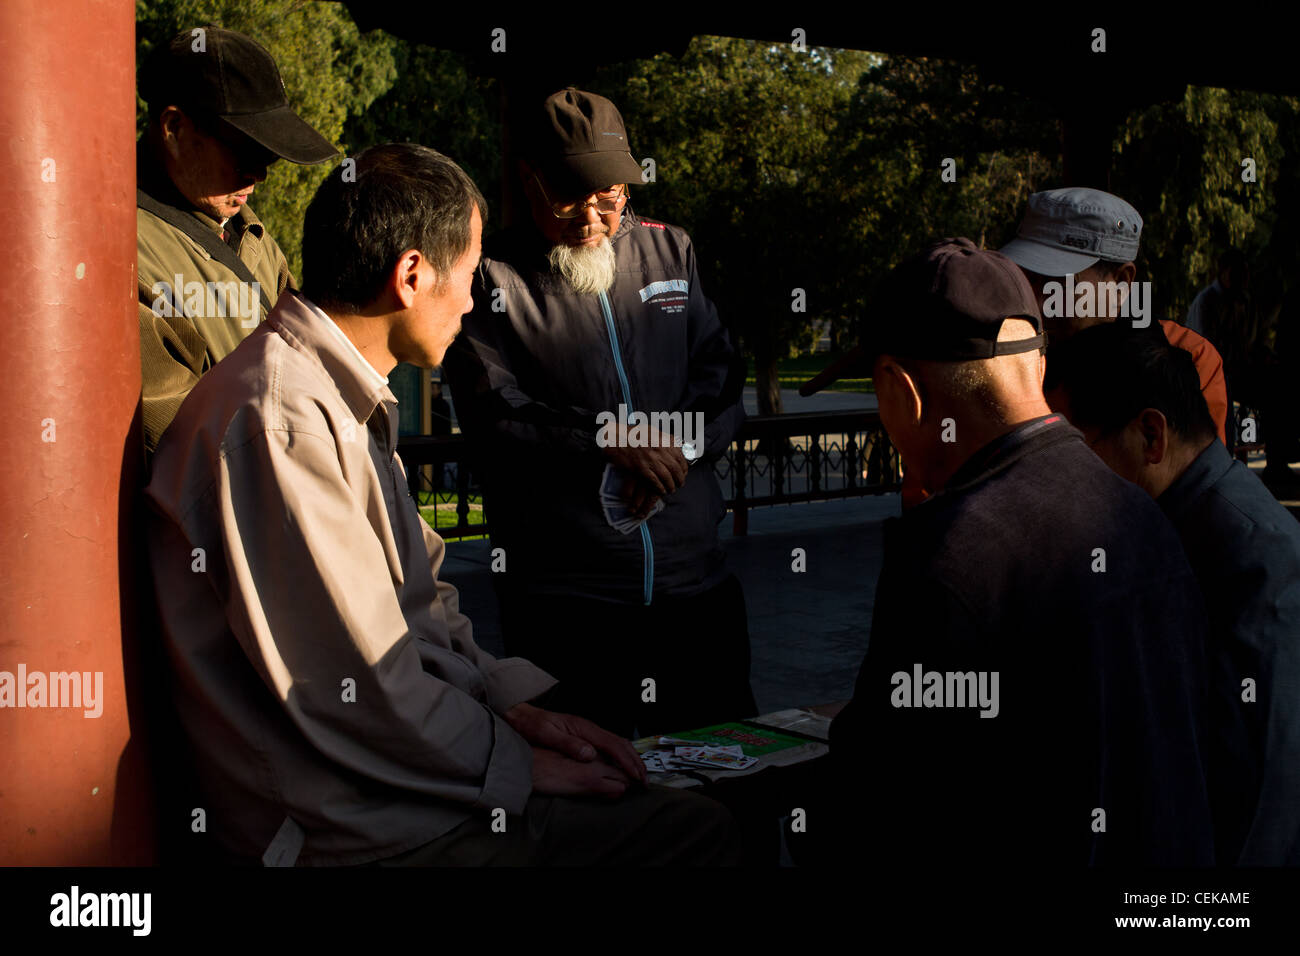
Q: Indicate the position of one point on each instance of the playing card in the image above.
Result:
(613, 482)
(615, 507)
(715, 758)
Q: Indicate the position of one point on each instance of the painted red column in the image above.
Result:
(74, 789)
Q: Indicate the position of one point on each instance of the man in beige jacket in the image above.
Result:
(334, 699)
(208, 270)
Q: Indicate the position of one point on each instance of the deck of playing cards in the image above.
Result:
(697, 758)
(620, 517)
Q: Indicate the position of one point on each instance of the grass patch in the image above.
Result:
(793, 372)
(442, 514)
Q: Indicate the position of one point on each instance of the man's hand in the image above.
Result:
(640, 497)
(574, 737)
(556, 774)
(661, 465)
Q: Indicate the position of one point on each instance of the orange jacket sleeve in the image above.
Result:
(1209, 365)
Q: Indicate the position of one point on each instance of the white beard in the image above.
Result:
(588, 269)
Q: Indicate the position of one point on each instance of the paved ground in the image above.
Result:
(792, 401)
(808, 631)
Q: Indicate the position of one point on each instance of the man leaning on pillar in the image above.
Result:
(208, 271)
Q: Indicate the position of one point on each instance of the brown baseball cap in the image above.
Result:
(579, 143)
(946, 303)
(215, 73)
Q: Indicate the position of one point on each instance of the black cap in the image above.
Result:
(215, 73)
(579, 143)
(945, 303)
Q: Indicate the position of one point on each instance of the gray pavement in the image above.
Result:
(808, 630)
(791, 401)
(827, 401)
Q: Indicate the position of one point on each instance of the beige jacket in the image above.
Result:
(321, 671)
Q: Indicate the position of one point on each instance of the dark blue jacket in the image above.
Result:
(534, 365)
(1038, 563)
(1245, 549)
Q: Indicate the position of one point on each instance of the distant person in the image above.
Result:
(1137, 401)
(1030, 693)
(1225, 311)
(586, 315)
(1230, 291)
(1091, 237)
(1284, 363)
(334, 699)
(218, 117)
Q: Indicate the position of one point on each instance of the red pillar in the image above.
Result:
(73, 789)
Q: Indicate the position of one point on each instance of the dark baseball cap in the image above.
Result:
(579, 143)
(946, 303)
(214, 73)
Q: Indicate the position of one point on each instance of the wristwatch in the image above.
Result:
(690, 452)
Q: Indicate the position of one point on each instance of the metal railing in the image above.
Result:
(776, 459)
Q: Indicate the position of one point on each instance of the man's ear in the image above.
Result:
(1154, 427)
(407, 279)
(170, 121)
(1122, 277)
(897, 393)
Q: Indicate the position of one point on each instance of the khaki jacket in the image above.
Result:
(177, 348)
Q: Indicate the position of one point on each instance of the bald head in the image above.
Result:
(940, 413)
(995, 386)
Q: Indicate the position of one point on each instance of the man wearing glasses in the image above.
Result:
(208, 271)
(586, 317)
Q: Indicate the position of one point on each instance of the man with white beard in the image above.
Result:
(612, 576)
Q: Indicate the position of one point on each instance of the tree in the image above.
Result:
(330, 72)
(933, 149)
(740, 132)
(437, 102)
(1180, 164)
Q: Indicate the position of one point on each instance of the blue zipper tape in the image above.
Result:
(647, 544)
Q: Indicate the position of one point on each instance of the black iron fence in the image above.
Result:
(776, 459)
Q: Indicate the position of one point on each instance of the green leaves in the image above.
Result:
(816, 170)
(1180, 164)
(329, 70)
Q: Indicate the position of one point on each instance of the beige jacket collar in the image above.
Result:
(304, 328)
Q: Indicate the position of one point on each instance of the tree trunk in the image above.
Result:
(767, 380)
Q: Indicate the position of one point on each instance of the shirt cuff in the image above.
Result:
(508, 782)
(514, 680)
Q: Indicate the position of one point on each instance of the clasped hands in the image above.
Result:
(657, 469)
(574, 757)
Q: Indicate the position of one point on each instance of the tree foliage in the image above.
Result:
(741, 133)
(330, 72)
(810, 170)
(1180, 164)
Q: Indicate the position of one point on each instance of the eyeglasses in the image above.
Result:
(606, 201)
